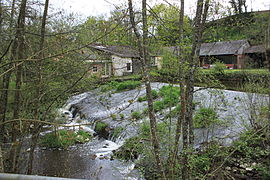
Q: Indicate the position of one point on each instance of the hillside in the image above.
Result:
(251, 26)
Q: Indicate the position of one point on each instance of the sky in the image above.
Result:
(88, 8)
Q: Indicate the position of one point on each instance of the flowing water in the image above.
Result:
(93, 160)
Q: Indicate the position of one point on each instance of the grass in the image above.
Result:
(205, 117)
(120, 86)
(144, 98)
(247, 71)
(100, 126)
(117, 131)
(170, 97)
(64, 138)
(136, 115)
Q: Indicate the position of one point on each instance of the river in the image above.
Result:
(93, 160)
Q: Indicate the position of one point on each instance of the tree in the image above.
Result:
(144, 58)
(188, 134)
(238, 6)
(37, 127)
(18, 46)
(163, 22)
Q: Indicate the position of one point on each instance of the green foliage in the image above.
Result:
(136, 115)
(122, 116)
(120, 86)
(174, 112)
(64, 138)
(131, 149)
(252, 146)
(170, 16)
(145, 130)
(117, 131)
(127, 85)
(113, 116)
(206, 160)
(170, 97)
(109, 86)
(136, 146)
(218, 68)
(144, 98)
(100, 126)
(250, 80)
(250, 26)
(205, 117)
(158, 106)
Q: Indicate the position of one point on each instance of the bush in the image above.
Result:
(64, 138)
(131, 149)
(117, 131)
(100, 126)
(145, 130)
(113, 116)
(122, 116)
(109, 86)
(218, 68)
(144, 98)
(136, 115)
(158, 106)
(127, 85)
(205, 117)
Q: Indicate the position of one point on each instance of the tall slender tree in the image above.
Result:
(18, 54)
(145, 62)
(6, 77)
(37, 127)
(188, 134)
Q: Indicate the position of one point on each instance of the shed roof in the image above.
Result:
(122, 51)
(255, 49)
(223, 48)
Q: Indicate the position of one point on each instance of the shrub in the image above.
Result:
(136, 115)
(218, 68)
(64, 138)
(109, 86)
(131, 149)
(113, 116)
(144, 98)
(127, 85)
(145, 129)
(117, 131)
(100, 126)
(122, 116)
(205, 117)
(158, 105)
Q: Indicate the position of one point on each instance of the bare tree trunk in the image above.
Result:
(15, 151)
(145, 67)
(37, 126)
